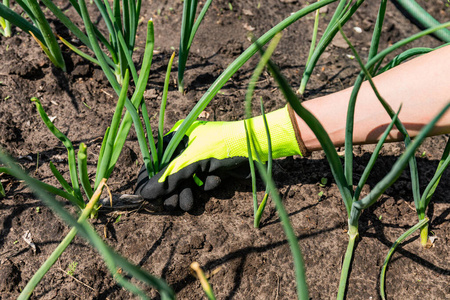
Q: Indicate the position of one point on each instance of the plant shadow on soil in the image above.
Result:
(244, 263)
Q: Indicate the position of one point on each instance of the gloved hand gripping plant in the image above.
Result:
(213, 150)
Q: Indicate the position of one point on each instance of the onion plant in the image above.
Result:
(111, 147)
(266, 174)
(429, 191)
(113, 260)
(407, 233)
(121, 20)
(423, 18)
(259, 209)
(40, 28)
(300, 275)
(342, 14)
(343, 175)
(345, 11)
(189, 26)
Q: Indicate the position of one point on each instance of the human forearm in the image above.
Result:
(422, 85)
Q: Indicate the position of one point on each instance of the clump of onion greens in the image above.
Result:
(343, 176)
(266, 174)
(345, 10)
(113, 260)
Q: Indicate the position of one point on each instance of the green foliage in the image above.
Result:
(39, 28)
(5, 29)
(258, 209)
(113, 260)
(410, 231)
(189, 27)
(114, 54)
(344, 178)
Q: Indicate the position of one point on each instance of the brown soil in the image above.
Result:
(247, 263)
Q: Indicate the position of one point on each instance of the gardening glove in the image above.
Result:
(214, 150)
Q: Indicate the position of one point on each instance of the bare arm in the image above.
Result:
(422, 85)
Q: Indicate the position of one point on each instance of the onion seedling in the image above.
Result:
(342, 14)
(121, 20)
(302, 288)
(314, 36)
(189, 27)
(300, 275)
(259, 209)
(40, 29)
(421, 203)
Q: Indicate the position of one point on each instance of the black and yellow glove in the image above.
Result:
(214, 150)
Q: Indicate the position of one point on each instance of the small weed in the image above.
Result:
(38, 209)
(15, 242)
(118, 219)
(323, 182)
(320, 194)
(6, 98)
(71, 268)
(424, 153)
(230, 6)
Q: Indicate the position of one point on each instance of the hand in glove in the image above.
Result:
(214, 150)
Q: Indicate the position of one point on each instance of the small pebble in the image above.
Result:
(357, 29)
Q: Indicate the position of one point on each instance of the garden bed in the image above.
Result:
(243, 262)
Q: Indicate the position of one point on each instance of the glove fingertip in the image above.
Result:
(211, 182)
(186, 199)
(171, 203)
